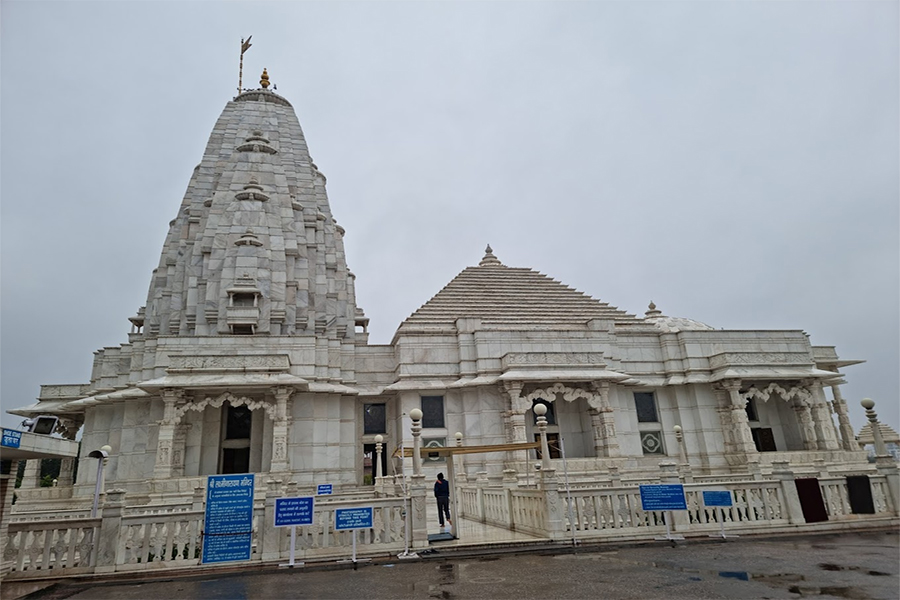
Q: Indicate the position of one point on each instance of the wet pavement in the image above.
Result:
(859, 565)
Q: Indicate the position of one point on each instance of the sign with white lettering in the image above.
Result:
(228, 521)
(294, 511)
(11, 438)
(323, 489)
(668, 496)
(353, 518)
(717, 498)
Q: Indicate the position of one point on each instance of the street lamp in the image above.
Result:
(101, 455)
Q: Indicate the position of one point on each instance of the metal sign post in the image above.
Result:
(664, 497)
(352, 520)
(562, 449)
(720, 499)
(290, 512)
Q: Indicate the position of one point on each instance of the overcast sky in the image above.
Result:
(734, 162)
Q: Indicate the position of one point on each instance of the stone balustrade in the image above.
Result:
(147, 537)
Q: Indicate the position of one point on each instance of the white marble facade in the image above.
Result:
(251, 354)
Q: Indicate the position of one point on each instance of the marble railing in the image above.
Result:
(52, 548)
(515, 509)
(837, 497)
(753, 503)
(122, 540)
(162, 539)
(610, 509)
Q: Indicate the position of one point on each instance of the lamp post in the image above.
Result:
(684, 466)
(880, 448)
(378, 445)
(416, 416)
(679, 436)
(101, 455)
(541, 410)
(462, 463)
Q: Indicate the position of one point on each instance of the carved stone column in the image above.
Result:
(32, 477)
(839, 405)
(167, 434)
(280, 430)
(826, 439)
(515, 419)
(742, 436)
(602, 423)
(724, 411)
(69, 429)
(805, 421)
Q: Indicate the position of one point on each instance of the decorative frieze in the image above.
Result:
(251, 362)
(514, 359)
(758, 358)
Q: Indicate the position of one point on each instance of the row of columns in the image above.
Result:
(603, 426)
(817, 430)
(172, 433)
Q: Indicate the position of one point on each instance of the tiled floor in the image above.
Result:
(473, 532)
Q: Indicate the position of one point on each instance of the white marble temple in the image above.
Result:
(252, 354)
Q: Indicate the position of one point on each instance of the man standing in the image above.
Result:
(442, 493)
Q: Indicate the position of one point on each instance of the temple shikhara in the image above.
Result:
(251, 355)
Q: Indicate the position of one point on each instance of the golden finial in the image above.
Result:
(264, 80)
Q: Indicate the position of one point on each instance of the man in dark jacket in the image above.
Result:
(442, 493)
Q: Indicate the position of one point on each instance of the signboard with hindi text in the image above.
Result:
(11, 438)
(228, 520)
(294, 511)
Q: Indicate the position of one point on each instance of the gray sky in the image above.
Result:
(735, 162)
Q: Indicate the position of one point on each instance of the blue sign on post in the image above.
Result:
(668, 496)
(323, 489)
(228, 522)
(717, 498)
(11, 438)
(294, 511)
(353, 518)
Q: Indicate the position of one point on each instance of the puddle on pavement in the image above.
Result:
(739, 575)
(838, 592)
(834, 567)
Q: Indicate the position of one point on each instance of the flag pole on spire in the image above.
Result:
(245, 45)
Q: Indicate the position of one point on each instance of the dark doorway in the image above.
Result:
(764, 439)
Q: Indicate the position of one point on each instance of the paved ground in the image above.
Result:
(849, 565)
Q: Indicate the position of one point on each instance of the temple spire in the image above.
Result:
(489, 259)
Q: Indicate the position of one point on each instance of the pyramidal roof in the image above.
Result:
(498, 294)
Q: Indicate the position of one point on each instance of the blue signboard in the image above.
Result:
(663, 497)
(228, 523)
(717, 498)
(293, 511)
(324, 489)
(353, 518)
(11, 438)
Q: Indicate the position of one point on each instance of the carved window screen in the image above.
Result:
(432, 411)
(645, 404)
(374, 418)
